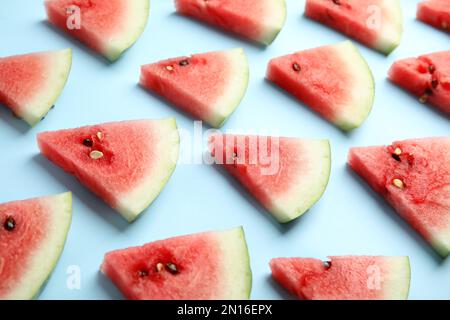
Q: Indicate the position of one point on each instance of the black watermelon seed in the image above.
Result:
(338, 2)
(88, 142)
(184, 63)
(396, 157)
(434, 83)
(327, 264)
(172, 268)
(296, 67)
(9, 224)
(432, 68)
(428, 91)
(143, 273)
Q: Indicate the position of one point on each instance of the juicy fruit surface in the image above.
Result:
(208, 86)
(211, 265)
(423, 198)
(427, 77)
(135, 161)
(258, 20)
(435, 13)
(345, 99)
(344, 278)
(32, 235)
(108, 27)
(375, 23)
(31, 83)
(286, 175)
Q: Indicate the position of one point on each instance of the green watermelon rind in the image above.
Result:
(63, 65)
(303, 205)
(237, 264)
(114, 52)
(132, 214)
(358, 113)
(35, 288)
(398, 288)
(387, 46)
(231, 101)
(441, 242)
(271, 34)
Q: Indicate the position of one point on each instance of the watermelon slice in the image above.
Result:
(344, 278)
(257, 20)
(345, 99)
(208, 86)
(108, 27)
(126, 163)
(32, 237)
(427, 77)
(211, 265)
(286, 175)
(414, 177)
(435, 13)
(375, 23)
(31, 83)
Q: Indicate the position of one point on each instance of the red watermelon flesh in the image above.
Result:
(427, 77)
(30, 84)
(204, 266)
(108, 27)
(344, 278)
(414, 177)
(257, 20)
(375, 23)
(32, 237)
(125, 163)
(345, 98)
(435, 13)
(209, 86)
(286, 175)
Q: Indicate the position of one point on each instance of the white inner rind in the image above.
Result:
(58, 65)
(235, 87)
(44, 258)
(167, 150)
(135, 20)
(391, 26)
(310, 183)
(237, 275)
(397, 279)
(274, 20)
(362, 87)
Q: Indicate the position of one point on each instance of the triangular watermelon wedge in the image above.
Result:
(208, 86)
(344, 277)
(435, 13)
(414, 177)
(203, 266)
(286, 175)
(30, 84)
(108, 27)
(126, 163)
(334, 80)
(32, 237)
(427, 77)
(257, 20)
(375, 23)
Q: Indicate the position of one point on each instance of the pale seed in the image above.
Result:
(398, 183)
(159, 267)
(170, 68)
(99, 135)
(398, 151)
(95, 154)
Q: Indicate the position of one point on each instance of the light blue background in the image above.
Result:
(349, 219)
